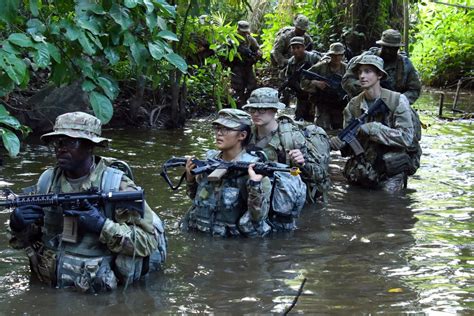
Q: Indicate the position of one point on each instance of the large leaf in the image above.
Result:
(9, 48)
(168, 35)
(13, 66)
(156, 49)
(102, 106)
(54, 52)
(72, 31)
(3, 111)
(34, 7)
(166, 8)
(6, 85)
(9, 10)
(161, 23)
(139, 53)
(96, 41)
(20, 39)
(10, 141)
(86, 44)
(10, 121)
(35, 26)
(88, 86)
(120, 16)
(149, 6)
(89, 23)
(109, 87)
(41, 55)
(151, 21)
(112, 55)
(177, 61)
(131, 3)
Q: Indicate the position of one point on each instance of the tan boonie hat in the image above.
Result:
(264, 98)
(301, 22)
(233, 118)
(391, 38)
(78, 125)
(243, 26)
(297, 40)
(336, 49)
(373, 60)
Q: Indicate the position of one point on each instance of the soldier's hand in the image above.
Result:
(254, 176)
(336, 143)
(190, 166)
(25, 215)
(321, 84)
(296, 156)
(90, 218)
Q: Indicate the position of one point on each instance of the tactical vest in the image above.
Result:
(219, 205)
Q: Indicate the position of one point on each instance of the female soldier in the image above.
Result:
(237, 203)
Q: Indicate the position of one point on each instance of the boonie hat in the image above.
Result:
(233, 118)
(336, 49)
(301, 22)
(78, 125)
(243, 26)
(297, 40)
(264, 98)
(373, 60)
(391, 38)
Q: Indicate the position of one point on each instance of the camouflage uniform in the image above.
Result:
(281, 52)
(234, 205)
(304, 106)
(402, 75)
(243, 80)
(328, 103)
(289, 136)
(127, 246)
(383, 137)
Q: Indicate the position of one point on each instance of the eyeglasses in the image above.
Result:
(257, 110)
(68, 143)
(223, 130)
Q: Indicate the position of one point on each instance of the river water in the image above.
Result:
(365, 252)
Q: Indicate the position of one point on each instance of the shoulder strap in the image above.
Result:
(44, 181)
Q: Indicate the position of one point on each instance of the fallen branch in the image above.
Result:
(300, 290)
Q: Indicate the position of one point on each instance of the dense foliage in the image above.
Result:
(443, 49)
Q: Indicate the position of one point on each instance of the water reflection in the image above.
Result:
(364, 252)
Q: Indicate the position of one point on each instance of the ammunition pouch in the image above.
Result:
(396, 162)
(43, 263)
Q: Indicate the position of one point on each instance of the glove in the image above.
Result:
(371, 128)
(25, 215)
(336, 143)
(90, 218)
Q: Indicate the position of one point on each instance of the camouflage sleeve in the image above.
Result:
(278, 50)
(258, 200)
(347, 114)
(413, 88)
(350, 83)
(191, 189)
(130, 233)
(401, 134)
(307, 84)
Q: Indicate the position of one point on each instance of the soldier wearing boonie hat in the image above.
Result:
(233, 118)
(243, 26)
(93, 235)
(391, 38)
(373, 60)
(264, 98)
(336, 49)
(301, 22)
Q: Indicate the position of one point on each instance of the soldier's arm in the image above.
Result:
(258, 200)
(401, 134)
(413, 88)
(309, 85)
(277, 52)
(130, 234)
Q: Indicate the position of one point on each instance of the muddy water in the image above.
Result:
(364, 252)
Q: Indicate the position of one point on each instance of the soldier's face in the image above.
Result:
(297, 51)
(368, 76)
(389, 53)
(71, 153)
(262, 117)
(227, 138)
(336, 59)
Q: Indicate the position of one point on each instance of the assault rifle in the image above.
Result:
(132, 200)
(217, 168)
(334, 81)
(293, 81)
(348, 134)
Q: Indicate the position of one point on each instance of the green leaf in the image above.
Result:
(7, 47)
(102, 106)
(10, 121)
(96, 41)
(161, 23)
(168, 35)
(166, 8)
(72, 32)
(54, 52)
(13, 66)
(61, 74)
(88, 86)
(20, 39)
(120, 16)
(131, 3)
(10, 141)
(9, 10)
(41, 55)
(35, 26)
(139, 53)
(177, 61)
(151, 21)
(89, 23)
(3, 111)
(109, 87)
(34, 7)
(156, 50)
(149, 6)
(112, 55)
(6, 86)
(86, 44)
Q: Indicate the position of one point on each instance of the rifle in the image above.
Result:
(217, 168)
(334, 81)
(293, 80)
(348, 134)
(132, 200)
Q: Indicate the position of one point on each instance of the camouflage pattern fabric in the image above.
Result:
(281, 52)
(402, 76)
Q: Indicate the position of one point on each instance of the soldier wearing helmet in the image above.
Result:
(401, 74)
(117, 245)
(389, 137)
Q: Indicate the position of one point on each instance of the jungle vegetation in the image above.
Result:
(165, 57)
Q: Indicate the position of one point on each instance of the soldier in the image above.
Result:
(281, 53)
(283, 141)
(243, 79)
(388, 136)
(401, 74)
(237, 204)
(301, 59)
(114, 245)
(329, 100)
